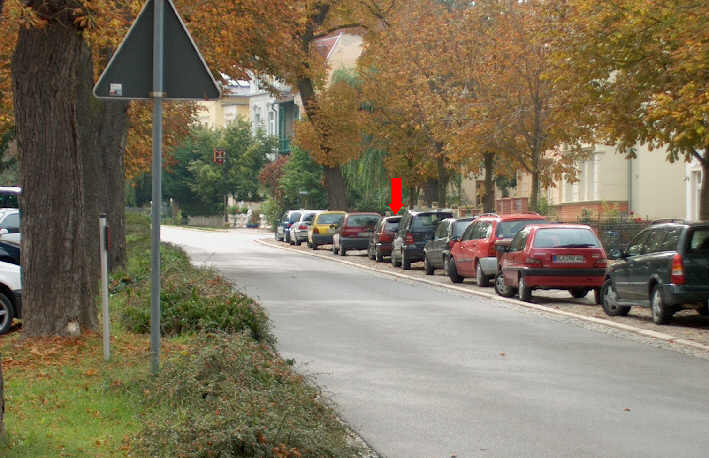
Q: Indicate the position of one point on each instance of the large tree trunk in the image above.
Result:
(704, 200)
(52, 78)
(443, 178)
(489, 165)
(533, 199)
(335, 183)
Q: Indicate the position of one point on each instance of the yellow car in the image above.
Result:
(324, 225)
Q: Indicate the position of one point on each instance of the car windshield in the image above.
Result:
(565, 238)
(459, 227)
(699, 239)
(508, 229)
(428, 221)
(391, 226)
(362, 220)
(331, 218)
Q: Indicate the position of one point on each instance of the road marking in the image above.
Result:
(626, 327)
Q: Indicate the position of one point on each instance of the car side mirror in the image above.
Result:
(502, 246)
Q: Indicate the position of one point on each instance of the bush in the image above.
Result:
(229, 396)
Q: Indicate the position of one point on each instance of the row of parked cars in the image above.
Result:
(665, 267)
(10, 272)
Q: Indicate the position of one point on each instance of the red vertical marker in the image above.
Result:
(395, 203)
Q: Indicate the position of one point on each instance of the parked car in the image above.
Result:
(448, 233)
(354, 232)
(9, 196)
(10, 248)
(475, 256)
(324, 226)
(9, 220)
(287, 220)
(553, 256)
(415, 229)
(380, 240)
(299, 229)
(10, 295)
(665, 267)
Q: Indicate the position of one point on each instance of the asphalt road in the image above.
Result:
(420, 371)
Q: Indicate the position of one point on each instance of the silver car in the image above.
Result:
(299, 229)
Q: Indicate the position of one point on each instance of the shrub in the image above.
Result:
(229, 396)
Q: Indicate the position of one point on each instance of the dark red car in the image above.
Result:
(383, 235)
(552, 256)
(354, 232)
(475, 255)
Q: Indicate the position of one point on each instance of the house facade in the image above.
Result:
(233, 104)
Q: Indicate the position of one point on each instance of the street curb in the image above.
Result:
(643, 332)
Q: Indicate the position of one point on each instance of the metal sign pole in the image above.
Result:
(103, 254)
(157, 96)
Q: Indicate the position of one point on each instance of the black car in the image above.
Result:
(415, 229)
(10, 248)
(665, 267)
(448, 233)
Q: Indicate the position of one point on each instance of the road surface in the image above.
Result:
(421, 371)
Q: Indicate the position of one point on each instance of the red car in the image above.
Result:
(552, 256)
(383, 235)
(476, 256)
(354, 232)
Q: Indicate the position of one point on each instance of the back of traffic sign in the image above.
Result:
(129, 74)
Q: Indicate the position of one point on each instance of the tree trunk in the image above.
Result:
(704, 193)
(52, 77)
(489, 164)
(335, 183)
(442, 185)
(533, 199)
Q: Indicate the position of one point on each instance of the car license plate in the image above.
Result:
(569, 259)
(365, 234)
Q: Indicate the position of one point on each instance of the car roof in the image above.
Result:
(438, 210)
(11, 189)
(558, 226)
(391, 218)
(511, 216)
(363, 213)
(341, 212)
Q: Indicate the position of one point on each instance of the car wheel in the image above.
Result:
(427, 266)
(480, 277)
(394, 262)
(370, 254)
(314, 246)
(405, 262)
(310, 245)
(523, 291)
(597, 296)
(378, 255)
(7, 312)
(661, 314)
(334, 249)
(453, 272)
(610, 300)
(343, 251)
(298, 242)
(502, 289)
(703, 310)
(578, 293)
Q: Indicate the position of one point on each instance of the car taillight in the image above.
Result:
(315, 230)
(302, 227)
(600, 263)
(533, 261)
(409, 238)
(677, 276)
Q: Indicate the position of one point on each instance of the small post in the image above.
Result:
(103, 244)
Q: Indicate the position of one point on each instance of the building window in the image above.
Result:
(271, 122)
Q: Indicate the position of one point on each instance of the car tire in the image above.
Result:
(453, 272)
(502, 289)
(703, 310)
(610, 300)
(343, 251)
(378, 255)
(578, 293)
(427, 266)
(523, 291)
(480, 277)
(310, 245)
(7, 313)
(597, 296)
(314, 246)
(405, 262)
(334, 249)
(661, 314)
(393, 259)
(370, 254)
(297, 242)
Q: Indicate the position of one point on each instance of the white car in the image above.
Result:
(299, 229)
(10, 295)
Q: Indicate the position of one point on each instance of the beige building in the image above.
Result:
(233, 104)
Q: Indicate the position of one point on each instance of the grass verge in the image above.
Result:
(222, 390)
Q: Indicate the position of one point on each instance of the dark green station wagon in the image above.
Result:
(665, 267)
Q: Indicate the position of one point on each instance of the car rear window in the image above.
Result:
(362, 220)
(508, 229)
(428, 221)
(391, 226)
(459, 227)
(699, 239)
(309, 217)
(330, 218)
(565, 238)
(294, 217)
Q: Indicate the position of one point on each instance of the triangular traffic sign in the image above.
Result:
(129, 74)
